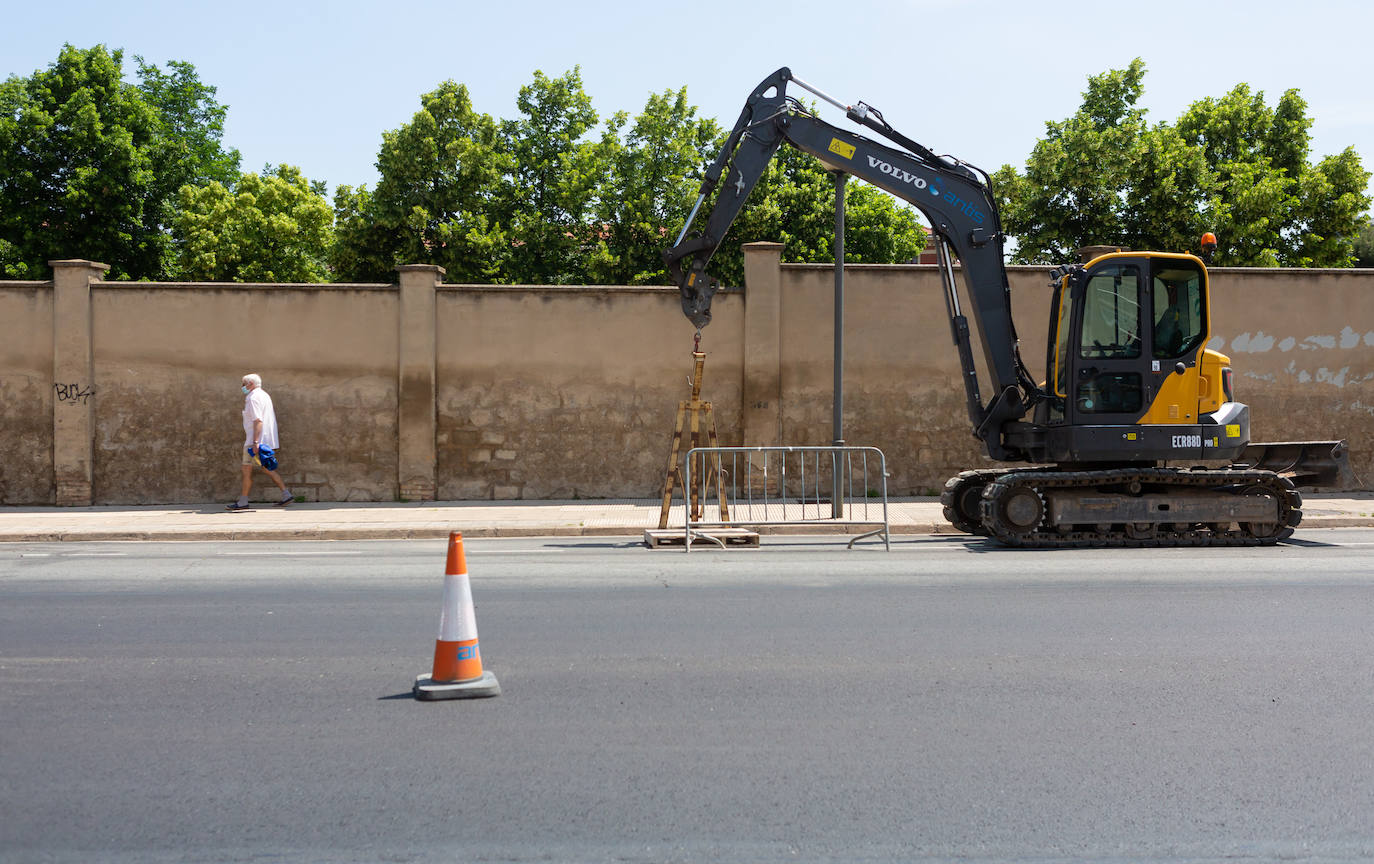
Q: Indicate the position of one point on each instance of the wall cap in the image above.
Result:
(79, 262)
(247, 286)
(420, 268)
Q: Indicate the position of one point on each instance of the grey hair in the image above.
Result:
(253, 378)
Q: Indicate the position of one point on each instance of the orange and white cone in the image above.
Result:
(457, 672)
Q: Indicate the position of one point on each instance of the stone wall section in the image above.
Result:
(27, 392)
(569, 393)
(127, 393)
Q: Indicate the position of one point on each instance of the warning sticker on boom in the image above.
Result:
(841, 148)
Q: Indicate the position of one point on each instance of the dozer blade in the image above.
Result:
(1324, 464)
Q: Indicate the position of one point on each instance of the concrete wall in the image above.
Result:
(571, 392)
(26, 392)
(1302, 345)
(128, 392)
(166, 382)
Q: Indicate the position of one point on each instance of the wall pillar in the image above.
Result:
(416, 388)
(73, 375)
(762, 344)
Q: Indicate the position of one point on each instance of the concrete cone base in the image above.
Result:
(428, 689)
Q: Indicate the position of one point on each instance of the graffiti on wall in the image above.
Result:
(74, 394)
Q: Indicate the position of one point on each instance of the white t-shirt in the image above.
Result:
(257, 405)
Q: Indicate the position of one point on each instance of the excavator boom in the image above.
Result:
(954, 197)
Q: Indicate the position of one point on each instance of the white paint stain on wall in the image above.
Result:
(1337, 378)
(1256, 344)
(1261, 342)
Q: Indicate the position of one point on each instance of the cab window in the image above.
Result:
(1111, 314)
(1178, 321)
(1062, 338)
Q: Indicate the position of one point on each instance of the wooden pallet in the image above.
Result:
(661, 538)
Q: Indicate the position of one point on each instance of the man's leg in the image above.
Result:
(286, 496)
(242, 502)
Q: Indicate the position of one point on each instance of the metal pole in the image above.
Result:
(837, 416)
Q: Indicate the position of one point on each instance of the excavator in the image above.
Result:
(1130, 389)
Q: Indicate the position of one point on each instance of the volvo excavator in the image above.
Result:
(1130, 388)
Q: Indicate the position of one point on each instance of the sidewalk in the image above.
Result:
(426, 520)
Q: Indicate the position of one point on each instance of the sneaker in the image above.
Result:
(236, 506)
(286, 499)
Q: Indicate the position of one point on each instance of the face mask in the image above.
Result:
(244, 388)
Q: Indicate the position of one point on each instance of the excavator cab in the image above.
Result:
(1129, 377)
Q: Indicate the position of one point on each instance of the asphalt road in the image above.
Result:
(251, 702)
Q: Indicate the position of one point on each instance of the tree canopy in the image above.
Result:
(90, 165)
(562, 203)
(270, 227)
(136, 175)
(436, 198)
(654, 167)
(556, 171)
(1233, 166)
(1364, 247)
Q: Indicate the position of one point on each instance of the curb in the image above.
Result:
(401, 532)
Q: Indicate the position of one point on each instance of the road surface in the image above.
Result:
(799, 702)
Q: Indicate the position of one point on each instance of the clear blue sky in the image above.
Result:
(315, 84)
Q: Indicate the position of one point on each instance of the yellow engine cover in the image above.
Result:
(1186, 396)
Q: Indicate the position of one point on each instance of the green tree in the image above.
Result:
(1364, 247)
(1105, 175)
(654, 172)
(556, 172)
(364, 250)
(270, 227)
(547, 200)
(1233, 166)
(75, 166)
(436, 201)
(90, 163)
(1331, 214)
(188, 148)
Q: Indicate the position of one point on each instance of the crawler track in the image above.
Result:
(1008, 498)
(1012, 507)
(963, 495)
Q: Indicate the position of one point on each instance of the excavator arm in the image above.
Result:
(954, 197)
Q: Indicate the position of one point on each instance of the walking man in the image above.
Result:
(260, 441)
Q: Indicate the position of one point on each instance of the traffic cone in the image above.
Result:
(457, 670)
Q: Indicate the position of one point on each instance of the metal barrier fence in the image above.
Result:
(798, 486)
